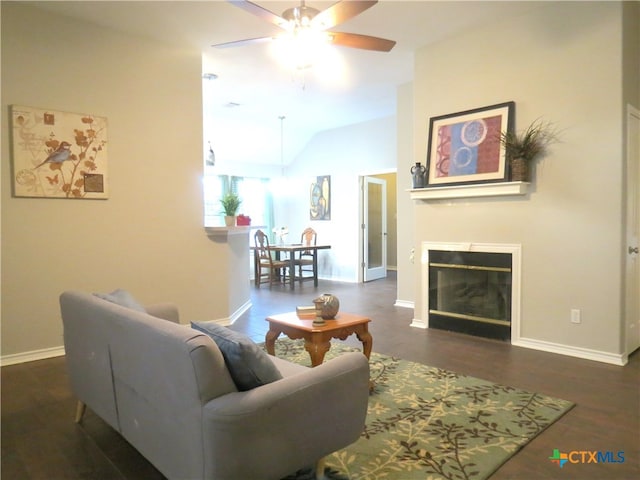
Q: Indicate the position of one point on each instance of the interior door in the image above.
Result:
(632, 280)
(374, 228)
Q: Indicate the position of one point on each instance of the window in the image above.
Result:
(212, 186)
(257, 201)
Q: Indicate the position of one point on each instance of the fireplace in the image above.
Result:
(471, 288)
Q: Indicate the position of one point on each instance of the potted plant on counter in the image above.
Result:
(522, 149)
(230, 204)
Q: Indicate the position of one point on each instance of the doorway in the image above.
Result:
(378, 232)
(632, 264)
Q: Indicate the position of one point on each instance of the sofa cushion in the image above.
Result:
(248, 364)
(122, 298)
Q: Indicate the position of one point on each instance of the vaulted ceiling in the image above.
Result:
(252, 90)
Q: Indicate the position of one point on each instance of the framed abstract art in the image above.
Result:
(464, 147)
(320, 198)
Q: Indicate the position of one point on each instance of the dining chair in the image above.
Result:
(305, 263)
(267, 262)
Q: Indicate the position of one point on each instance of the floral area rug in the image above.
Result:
(427, 423)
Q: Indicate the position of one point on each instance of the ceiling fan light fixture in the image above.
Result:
(307, 22)
(301, 48)
(301, 15)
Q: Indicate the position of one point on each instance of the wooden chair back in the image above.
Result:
(266, 261)
(308, 237)
(262, 246)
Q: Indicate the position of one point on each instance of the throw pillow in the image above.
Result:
(122, 298)
(248, 364)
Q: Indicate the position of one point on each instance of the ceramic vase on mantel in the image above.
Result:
(419, 175)
(519, 170)
(229, 220)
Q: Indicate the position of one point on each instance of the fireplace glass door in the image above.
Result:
(470, 292)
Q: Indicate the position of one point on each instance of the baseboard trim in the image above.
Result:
(578, 352)
(45, 353)
(227, 321)
(619, 359)
(404, 303)
(238, 313)
(417, 323)
(32, 356)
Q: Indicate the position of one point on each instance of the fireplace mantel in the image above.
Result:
(468, 191)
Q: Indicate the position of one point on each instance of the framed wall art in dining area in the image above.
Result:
(464, 147)
(320, 198)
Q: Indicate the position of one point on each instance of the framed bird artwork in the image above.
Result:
(58, 154)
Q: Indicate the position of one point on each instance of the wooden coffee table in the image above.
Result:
(317, 338)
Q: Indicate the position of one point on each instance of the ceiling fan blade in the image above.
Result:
(240, 43)
(340, 12)
(260, 12)
(364, 42)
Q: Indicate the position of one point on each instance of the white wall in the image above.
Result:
(148, 236)
(406, 222)
(345, 154)
(561, 62)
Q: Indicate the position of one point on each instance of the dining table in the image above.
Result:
(291, 249)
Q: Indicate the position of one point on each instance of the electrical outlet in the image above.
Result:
(575, 316)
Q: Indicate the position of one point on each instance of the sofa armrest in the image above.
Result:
(280, 427)
(166, 311)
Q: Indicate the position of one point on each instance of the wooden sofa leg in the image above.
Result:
(80, 409)
(320, 469)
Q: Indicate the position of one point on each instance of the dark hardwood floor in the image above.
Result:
(41, 441)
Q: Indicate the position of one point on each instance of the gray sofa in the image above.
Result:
(166, 389)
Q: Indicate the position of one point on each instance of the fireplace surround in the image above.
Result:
(472, 288)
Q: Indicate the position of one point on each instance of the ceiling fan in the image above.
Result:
(303, 20)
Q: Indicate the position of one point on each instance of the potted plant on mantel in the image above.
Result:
(230, 204)
(522, 149)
